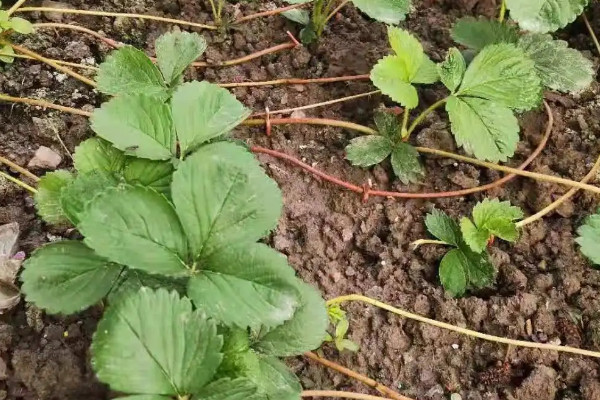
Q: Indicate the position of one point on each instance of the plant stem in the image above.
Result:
(312, 121)
(336, 10)
(247, 58)
(15, 7)
(533, 175)
(268, 13)
(425, 113)
(18, 168)
(115, 14)
(44, 104)
(55, 25)
(316, 105)
(355, 375)
(341, 395)
(60, 62)
(418, 243)
(463, 331)
(403, 131)
(52, 63)
(553, 206)
(296, 81)
(591, 31)
(18, 182)
(502, 11)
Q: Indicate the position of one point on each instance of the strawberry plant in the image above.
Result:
(9, 25)
(468, 266)
(503, 73)
(388, 11)
(162, 202)
(589, 237)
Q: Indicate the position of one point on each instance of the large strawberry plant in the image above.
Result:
(171, 216)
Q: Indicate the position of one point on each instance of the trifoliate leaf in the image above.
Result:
(47, 198)
(365, 151)
(137, 227)
(228, 389)
(488, 213)
(559, 67)
(304, 332)
(387, 124)
(453, 274)
(589, 238)
(390, 75)
(228, 278)
(203, 111)
(7, 53)
(21, 25)
(452, 69)
(478, 33)
(154, 174)
(440, 225)
(545, 15)
(503, 73)
(427, 72)
(97, 154)
(154, 343)
(223, 196)
(301, 17)
(128, 72)
(175, 51)
(386, 11)
(485, 129)
(140, 126)
(406, 163)
(67, 277)
(85, 187)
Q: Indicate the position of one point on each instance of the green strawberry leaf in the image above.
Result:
(175, 51)
(223, 196)
(7, 53)
(427, 72)
(406, 163)
(453, 274)
(301, 17)
(503, 74)
(228, 389)
(452, 69)
(128, 72)
(545, 15)
(589, 237)
(488, 130)
(47, 198)
(275, 380)
(21, 25)
(559, 67)
(477, 239)
(67, 277)
(305, 331)
(139, 125)
(153, 174)
(85, 187)
(387, 124)
(132, 280)
(137, 227)
(480, 271)
(98, 155)
(154, 343)
(386, 11)
(203, 111)
(477, 33)
(444, 228)
(365, 151)
(230, 277)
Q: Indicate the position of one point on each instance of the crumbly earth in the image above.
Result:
(546, 291)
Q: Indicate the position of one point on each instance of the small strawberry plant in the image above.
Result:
(502, 73)
(170, 216)
(314, 21)
(468, 266)
(8, 26)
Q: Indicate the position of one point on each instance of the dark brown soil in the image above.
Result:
(332, 239)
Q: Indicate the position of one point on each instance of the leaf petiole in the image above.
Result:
(502, 11)
(425, 113)
(404, 131)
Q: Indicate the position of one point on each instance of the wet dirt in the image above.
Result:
(334, 240)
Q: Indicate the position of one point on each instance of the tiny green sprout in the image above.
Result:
(468, 264)
(315, 21)
(339, 320)
(8, 25)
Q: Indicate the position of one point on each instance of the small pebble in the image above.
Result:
(45, 158)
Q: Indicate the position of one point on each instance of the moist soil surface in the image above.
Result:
(545, 291)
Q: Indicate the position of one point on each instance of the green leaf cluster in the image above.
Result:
(366, 151)
(387, 11)
(338, 336)
(161, 203)
(543, 16)
(589, 238)
(468, 266)
(12, 24)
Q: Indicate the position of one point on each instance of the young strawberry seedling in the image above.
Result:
(314, 21)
